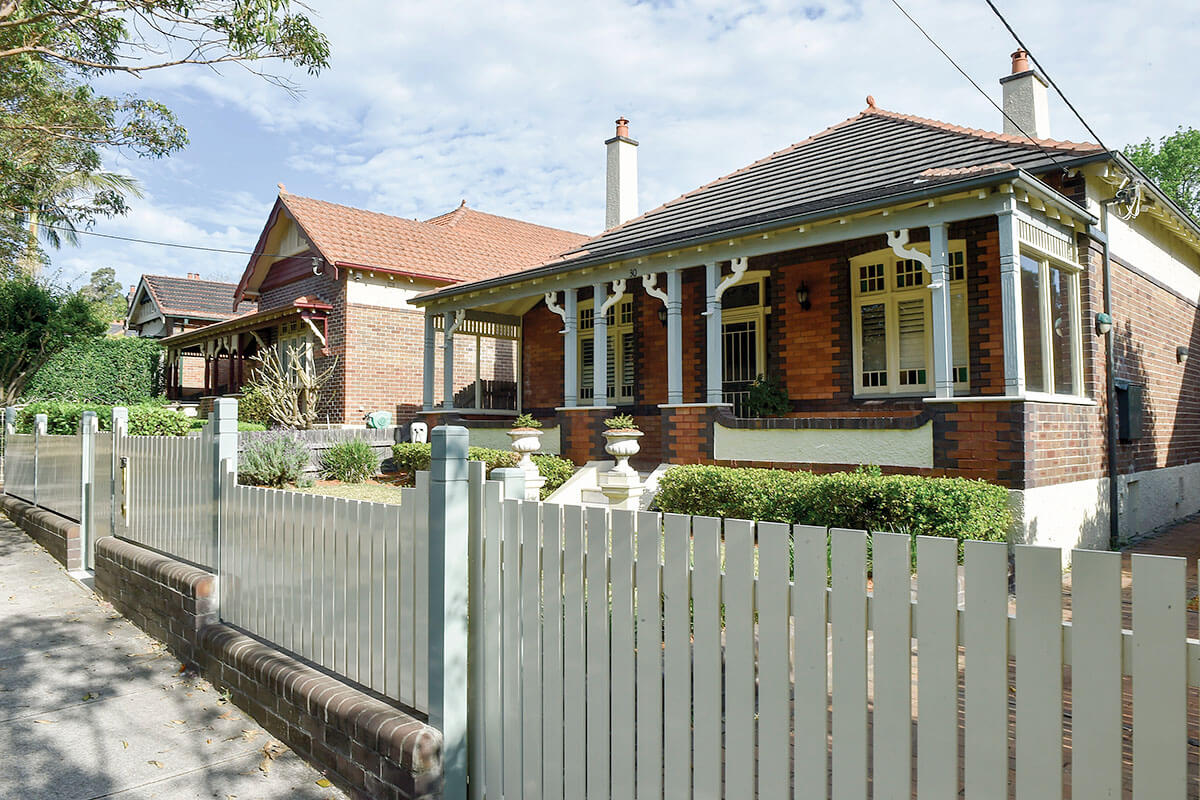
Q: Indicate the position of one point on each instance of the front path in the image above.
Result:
(91, 707)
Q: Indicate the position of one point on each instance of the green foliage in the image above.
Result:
(864, 499)
(1173, 164)
(36, 323)
(555, 470)
(145, 419)
(275, 459)
(154, 420)
(409, 457)
(767, 397)
(105, 293)
(621, 422)
(253, 407)
(351, 461)
(251, 426)
(54, 126)
(118, 371)
(526, 421)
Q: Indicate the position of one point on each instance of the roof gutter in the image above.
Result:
(390, 271)
(923, 193)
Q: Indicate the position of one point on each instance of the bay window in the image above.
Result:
(893, 322)
(1050, 326)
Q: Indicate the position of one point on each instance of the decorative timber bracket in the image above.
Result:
(559, 310)
(739, 267)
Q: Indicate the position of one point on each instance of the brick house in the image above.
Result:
(165, 305)
(333, 284)
(935, 300)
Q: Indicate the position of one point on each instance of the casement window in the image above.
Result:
(744, 310)
(893, 322)
(1050, 326)
(620, 352)
(294, 345)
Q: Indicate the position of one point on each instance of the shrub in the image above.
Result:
(526, 421)
(272, 460)
(253, 407)
(767, 397)
(251, 426)
(152, 420)
(555, 470)
(412, 457)
(145, 419)
(117, 371)
(351, 461)
(864, 499)
(621, 422)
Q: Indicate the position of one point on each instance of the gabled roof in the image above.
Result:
(463, 245)
(194, 298)
(873, 154)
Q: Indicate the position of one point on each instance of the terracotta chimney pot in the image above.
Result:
(1020, 62)
(623, 127)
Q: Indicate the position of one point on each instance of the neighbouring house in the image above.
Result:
(164, 305)
(332, 287)
(934, 299)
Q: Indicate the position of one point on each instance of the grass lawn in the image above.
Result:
(375, 492)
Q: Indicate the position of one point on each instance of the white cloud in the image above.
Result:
(507, 103)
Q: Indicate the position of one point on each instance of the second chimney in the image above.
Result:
(620, 191)
(1025, 105)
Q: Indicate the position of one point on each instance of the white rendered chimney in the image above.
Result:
(1025, 99)
(620, 191)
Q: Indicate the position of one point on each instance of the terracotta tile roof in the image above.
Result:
(463, 245)
(248, 322)
(195, 297)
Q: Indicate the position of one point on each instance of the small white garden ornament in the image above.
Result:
(526, 436)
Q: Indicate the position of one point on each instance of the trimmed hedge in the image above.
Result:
(863, 500)
(117, 371)
(146, 419)
(410, 457)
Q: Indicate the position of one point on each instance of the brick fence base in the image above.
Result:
(59, 535)
(372, 748)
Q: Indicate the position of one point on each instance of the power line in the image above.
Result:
(978, 88)
(66, 229)
(1044, 72)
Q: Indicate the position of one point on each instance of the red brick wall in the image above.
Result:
(542, 360)
(985, 316)
(331, 404)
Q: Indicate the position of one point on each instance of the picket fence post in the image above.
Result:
(513, 481)
(222, 433)
(10, 427)
(448, 602)
(40, 421)
(89, 425)
(120, 428)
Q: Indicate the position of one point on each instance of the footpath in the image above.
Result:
(91, 707)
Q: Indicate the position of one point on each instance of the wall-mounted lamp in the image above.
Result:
(662, 315)
(802, 297)
(1103, 323)
(1181, 354)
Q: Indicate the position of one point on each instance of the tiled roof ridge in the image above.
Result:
(1007, 138)
(943, 172)
(192, 280)
(725, 177)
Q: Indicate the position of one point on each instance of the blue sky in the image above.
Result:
(507, 104)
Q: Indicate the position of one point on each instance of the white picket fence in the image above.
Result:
(340, 582)
(639, 656)
(171, 502)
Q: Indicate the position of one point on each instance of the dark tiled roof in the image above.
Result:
(869, 156)
(194, 297)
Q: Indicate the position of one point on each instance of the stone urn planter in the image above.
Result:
(526, 442)
(622, 444)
